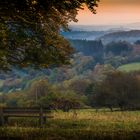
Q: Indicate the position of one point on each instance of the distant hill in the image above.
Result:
(99, 27)
(88, 35)
(129, 36)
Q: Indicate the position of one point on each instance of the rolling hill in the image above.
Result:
(129, 36)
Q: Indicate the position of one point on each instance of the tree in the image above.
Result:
(79, 86)
(118, 90)
(63, 100)
(30, 31)
(37, 90)
(103, 96)
(137, 42)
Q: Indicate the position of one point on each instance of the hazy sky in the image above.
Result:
(112, 12)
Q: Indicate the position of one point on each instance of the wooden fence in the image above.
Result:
(41, 113)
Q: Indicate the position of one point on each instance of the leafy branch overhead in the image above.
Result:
(30, 31)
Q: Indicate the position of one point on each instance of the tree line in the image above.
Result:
(114, 89)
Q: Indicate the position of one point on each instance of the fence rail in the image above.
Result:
(41, 113)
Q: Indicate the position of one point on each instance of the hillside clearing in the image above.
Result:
(130, 67)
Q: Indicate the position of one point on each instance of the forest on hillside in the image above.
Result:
(85, 82)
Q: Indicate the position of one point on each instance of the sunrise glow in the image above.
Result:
(111, 12)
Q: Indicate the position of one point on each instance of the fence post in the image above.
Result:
(41, 117)
(1, 117)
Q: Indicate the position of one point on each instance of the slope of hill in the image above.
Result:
(89, 48)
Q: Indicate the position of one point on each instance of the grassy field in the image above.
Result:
(130, 67)
(82, 125)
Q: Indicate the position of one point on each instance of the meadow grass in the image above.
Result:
(82, 125)
(130, 67)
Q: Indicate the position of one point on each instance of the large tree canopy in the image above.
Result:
(30, 31)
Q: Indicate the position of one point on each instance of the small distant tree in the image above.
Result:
(37, 90)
